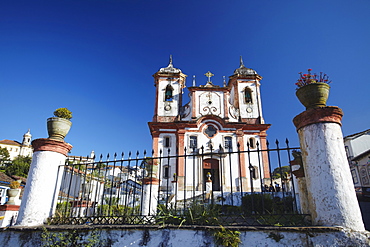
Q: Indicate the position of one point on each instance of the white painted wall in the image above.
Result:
(128, 237)
(358, 144)
(41, 186)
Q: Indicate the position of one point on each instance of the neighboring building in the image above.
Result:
(85, 188)
(72, 159)
(4, 186)
(358, 154)
(16, 148)
(216, 116)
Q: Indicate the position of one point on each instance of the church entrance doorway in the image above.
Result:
(212, 166)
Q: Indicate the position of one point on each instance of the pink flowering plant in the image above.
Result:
(309, 78)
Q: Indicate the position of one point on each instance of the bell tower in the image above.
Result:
(169, 83)
(245, 94)
(26, 148)
(27, 139)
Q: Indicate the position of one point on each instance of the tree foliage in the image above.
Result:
(4, 156)
(19, 166)
(283, 172)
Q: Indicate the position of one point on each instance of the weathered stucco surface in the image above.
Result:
(191, 236)
(331, 195)
(39, 193)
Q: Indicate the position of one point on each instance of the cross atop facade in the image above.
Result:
(209, 75)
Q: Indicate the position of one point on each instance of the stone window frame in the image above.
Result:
(191, 144)
(227, 140)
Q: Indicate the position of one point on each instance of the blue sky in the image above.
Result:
(97, 58)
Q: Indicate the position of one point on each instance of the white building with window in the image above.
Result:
(216, 119)
(358, 153)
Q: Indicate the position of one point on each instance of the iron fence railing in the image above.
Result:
(203, 186)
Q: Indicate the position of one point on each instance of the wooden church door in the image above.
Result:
(212, 166)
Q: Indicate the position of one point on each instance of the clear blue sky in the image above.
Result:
(97, 58)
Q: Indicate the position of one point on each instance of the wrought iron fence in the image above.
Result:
(203, 186)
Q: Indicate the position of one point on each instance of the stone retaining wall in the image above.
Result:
(153, 236)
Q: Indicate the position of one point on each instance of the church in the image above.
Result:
(213, 137)
(16, 148)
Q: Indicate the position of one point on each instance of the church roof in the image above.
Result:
(24, 180)
(170, 68)
(10, 142)
(357, 134)
(242, 70)
(5, 178)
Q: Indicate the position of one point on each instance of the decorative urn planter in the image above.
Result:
(313, 95)
(58, 128)
(313, 90)
(12, 194)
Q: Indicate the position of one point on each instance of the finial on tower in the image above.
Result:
(170, 68)
(242, 70)
(194, 83)
(241, 62)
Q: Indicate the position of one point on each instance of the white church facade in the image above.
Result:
(214, 137)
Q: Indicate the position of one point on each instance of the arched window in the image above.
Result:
(167, 141)
(255, 172)
(248, 95)
(252, 143)
(166, 172)
(168, 95)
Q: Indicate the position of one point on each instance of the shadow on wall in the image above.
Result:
(365, 211)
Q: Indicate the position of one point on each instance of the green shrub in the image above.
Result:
(63, 209)
(117, 210)
(226, 237)
(266, 204)
(63, 113)
(195, 214)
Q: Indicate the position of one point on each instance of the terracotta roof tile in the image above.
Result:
(20, 178)
(10, 142)
(5, 178)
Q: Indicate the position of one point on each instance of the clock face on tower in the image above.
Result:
(167, 107)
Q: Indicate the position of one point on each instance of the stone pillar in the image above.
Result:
(150, 197)
(331, 195)
(43, 182)
(300, 185)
